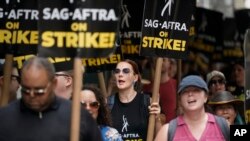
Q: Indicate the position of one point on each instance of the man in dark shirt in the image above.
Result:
(40, 115)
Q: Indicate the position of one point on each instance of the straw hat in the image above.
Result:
(225, 97)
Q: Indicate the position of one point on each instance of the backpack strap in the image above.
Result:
(219, 120)
(223, 126)
(146, 102)
(171, 129)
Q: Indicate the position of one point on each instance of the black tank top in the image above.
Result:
(130, 119)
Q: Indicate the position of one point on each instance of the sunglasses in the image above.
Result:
(93, 105)
(124, 71)
(35, 91)
(219, 81)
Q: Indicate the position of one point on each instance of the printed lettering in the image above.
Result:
(240, 132)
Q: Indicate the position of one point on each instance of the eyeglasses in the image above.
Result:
(124, 71)
(15, 77)
(93, 105)
(219, 81)
(35, 91)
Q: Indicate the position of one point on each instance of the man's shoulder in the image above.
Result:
(10, 107)
(8, 113)
(63, 101)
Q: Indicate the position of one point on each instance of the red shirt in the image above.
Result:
(167, 93)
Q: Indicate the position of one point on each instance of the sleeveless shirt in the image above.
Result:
(212, 131)
(130, 119)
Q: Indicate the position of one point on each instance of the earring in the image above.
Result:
(134, 82)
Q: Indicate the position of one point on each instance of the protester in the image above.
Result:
(14, 82)
(167, 91)
(40, 115)
(238, 76)
(194, 123)
(237, 81)
(216, 82)
(112, 87)
(224, 104)
(173, 68)
(130, 108)
(93, 100)
(64, 86)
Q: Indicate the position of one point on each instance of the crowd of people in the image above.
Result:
(197, 102)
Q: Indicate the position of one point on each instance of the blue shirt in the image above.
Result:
(110, 134)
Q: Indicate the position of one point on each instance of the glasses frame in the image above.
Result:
(217, 81)
(124, 71)
(93, 105)
(35, 91)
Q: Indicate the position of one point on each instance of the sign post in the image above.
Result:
(247, 75)
(165, 31)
